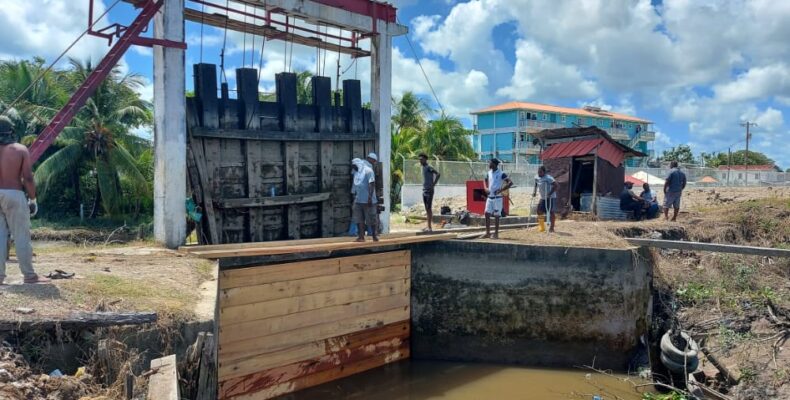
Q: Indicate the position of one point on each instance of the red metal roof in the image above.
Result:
(606, 151)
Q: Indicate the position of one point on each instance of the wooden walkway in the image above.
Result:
(308, 245)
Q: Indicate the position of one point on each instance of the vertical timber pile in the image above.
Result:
(274, 170)
(286, 327)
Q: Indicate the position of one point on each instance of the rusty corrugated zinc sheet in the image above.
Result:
(606, 151)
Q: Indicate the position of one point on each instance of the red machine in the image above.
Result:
(476, 198)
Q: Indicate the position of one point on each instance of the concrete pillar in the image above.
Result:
(169, 128)
(381, 105)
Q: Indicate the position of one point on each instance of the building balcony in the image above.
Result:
(618, 134)
(531, 126)
(647, 136)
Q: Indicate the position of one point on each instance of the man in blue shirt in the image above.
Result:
(495, 183)
(673, 189)
(547, 187)
(364, 191)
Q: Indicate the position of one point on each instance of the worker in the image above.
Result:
(16, 180)
(629, 201)
(373, 162)
(364, 207)
(547, 186)
(430, 177)
(673, 189)
(495, 183)
(651, 201)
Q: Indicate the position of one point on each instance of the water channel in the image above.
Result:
(424, 380)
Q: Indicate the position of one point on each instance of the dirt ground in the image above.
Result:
(694, 199)
(131, 277)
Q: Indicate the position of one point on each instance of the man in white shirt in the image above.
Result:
(547, 187)
(495, 183)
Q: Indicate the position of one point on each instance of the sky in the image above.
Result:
(696, 68)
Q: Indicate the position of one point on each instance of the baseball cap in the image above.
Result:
(373, 156)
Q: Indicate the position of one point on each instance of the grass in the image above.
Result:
(136, 294)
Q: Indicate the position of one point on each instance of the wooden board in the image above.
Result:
(163, 384)
(273, 308)
(299, 287)
(230, 333)
(279, 243)
(258, 275)
(310, 358)
(350, 244)
(715, 247)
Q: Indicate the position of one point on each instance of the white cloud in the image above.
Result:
(46, 28)
(538, 75)
(756, 83)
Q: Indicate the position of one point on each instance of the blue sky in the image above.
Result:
(697, 68)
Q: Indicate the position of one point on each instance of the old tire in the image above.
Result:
(679, 355)
(678, 367)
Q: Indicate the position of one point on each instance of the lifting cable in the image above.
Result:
(244, 42)
(224, 77)
(423, 71)
(202, 22)
(59, 57)
(260, 67)
(252, 49)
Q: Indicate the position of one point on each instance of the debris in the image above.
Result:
(56, 374)
(24, 310)
(60, 274)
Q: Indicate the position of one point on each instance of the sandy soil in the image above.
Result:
(134, 277)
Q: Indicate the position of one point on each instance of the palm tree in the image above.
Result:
(37, 101)
(410, 112)
(446, 138)
(100, 139)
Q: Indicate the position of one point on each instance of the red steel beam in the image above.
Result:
(374, 9)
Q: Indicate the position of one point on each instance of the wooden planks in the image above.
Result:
(715, 247)
(273, 201)
(297, 248)
(329, 354)
(301, 324)
(163, 384)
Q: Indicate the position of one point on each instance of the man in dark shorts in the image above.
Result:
(363, 188)
(673, 189)
(430, 177)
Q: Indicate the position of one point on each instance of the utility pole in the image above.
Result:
(729, 164)
(747, 124)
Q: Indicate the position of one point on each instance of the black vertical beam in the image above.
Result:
(352, 100)
(322, 101)
(205, 76)
(247, 95)
(285, 83)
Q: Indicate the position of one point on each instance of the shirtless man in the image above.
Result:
(16, 175)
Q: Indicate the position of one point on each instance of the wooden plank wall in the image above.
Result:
(242, 150)
(287, 327)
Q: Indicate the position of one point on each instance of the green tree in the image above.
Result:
(446, 138)
(36, 101)
(681, 154)
(739, 157)
(410, 111)
(100, 141)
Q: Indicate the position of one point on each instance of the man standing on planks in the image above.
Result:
(373, 162)
(16, 179)
(430, 177)
(495, 183)
(364, 191)
(673, 189)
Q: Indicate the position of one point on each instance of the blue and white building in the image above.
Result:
(504, 131)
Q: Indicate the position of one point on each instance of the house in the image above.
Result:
(588, 165)
(506, 131)
(742, 174)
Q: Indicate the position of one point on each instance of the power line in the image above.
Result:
(423, 72)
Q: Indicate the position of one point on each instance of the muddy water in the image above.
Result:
(423, 380)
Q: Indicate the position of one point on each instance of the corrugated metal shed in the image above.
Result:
(577, 148)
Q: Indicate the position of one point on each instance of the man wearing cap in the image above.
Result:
(16, 179)
(495, 183)
(364, 208)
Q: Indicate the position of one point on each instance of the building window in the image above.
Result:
(523, 137)
(562, 118)
(545, 117)
(756, 176)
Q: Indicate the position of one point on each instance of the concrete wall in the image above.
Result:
(532, 305)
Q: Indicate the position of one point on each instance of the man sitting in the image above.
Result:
(631, 202)
(651, 199)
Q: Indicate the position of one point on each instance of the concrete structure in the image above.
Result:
(361, 16)
(505, 131)
(170, 136)
(531, 305)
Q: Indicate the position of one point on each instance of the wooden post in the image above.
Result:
(322, 102)
(593, 206)
(206, 95)
(286, 100)
(352, 101)
(247, 95)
